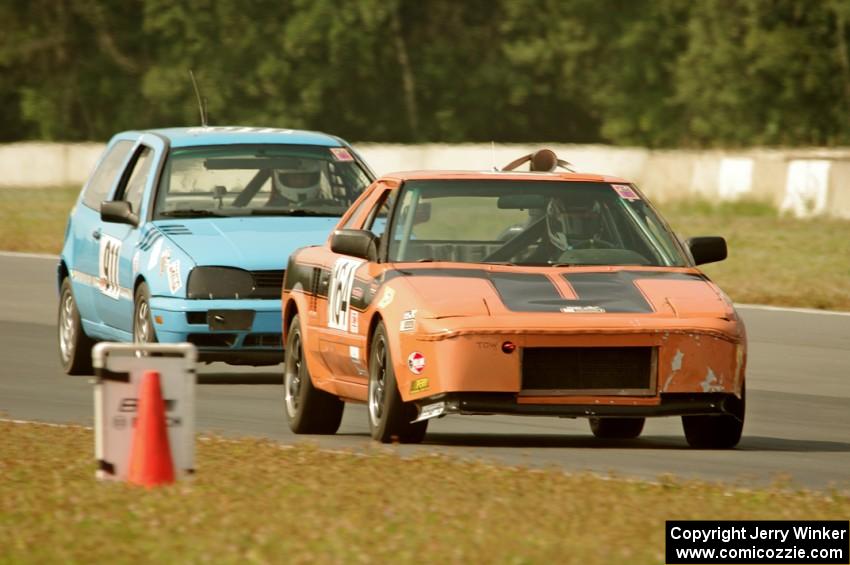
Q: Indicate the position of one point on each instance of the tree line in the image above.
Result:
(655, 73)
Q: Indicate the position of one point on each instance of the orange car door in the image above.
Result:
(342, 340)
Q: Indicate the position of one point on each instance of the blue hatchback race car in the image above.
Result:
(182, 235)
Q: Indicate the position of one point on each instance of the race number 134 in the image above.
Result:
(339, 293)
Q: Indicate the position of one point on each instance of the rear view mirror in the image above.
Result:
(707, 249)
(251, 163)
(356, 243)
(521, 202)
(118, 212)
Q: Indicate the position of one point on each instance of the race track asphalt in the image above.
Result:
(798, 393)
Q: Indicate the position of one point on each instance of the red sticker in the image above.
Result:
(625, 191)
(416, 363)
(341, 154)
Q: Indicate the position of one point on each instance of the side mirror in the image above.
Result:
(707, 249)
(118, 212)
(357, 243)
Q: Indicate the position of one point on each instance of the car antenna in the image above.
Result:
(493, 154)
(202, 105)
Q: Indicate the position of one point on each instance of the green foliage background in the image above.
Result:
(656, 73)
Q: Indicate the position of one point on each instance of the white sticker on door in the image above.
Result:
(107, 266)
(339, 294)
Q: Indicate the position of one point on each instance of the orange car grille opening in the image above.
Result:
(587, 368)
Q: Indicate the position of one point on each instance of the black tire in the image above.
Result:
(390, 419)
(617, 428)
(717, 432)
(74, 345)
(308, 410)
(143, 328)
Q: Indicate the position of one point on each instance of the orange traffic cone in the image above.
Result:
(150, 457)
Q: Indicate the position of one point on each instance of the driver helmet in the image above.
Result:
(298, 184)
(571, 221)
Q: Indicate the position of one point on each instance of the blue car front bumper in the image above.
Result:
(242, 332)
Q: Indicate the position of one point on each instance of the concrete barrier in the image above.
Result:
(36, 164)
(803, 182)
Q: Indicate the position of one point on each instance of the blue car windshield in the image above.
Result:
(533, 223)
(266, 179)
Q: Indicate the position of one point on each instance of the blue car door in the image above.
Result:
(86, 227)
(118, 251)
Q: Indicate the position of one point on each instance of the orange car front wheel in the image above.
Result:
(390, 419)
(717, 432)
(616, 428)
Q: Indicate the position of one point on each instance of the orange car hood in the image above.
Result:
(448, 297)
(469, 291)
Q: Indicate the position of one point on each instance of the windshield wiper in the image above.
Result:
(292, 212)
(192, 213)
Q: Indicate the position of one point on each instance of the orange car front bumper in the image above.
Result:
(694, 367)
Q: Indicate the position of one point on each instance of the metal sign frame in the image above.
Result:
(118, 369)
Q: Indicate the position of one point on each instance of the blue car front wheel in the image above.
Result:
(143, 330)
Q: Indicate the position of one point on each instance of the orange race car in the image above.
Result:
(537, 293)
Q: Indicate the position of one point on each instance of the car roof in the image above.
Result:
(502, 175)
(225, 135)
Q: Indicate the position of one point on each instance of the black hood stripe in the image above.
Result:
(616, 291)
(519, 292)
(609, 291)
(527, 292)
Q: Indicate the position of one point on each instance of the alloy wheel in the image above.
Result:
(66, 326)
(292, 376)
(377, 383)
(143, 326)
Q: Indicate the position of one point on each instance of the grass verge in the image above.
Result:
(33, 220)
(257, 501)
(772, 260)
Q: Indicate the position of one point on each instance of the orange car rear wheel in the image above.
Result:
(308, 409)
(617, 428)
(389, 417)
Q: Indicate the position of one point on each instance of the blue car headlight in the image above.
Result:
(220, 282)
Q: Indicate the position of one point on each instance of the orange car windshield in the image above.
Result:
(529, 223)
